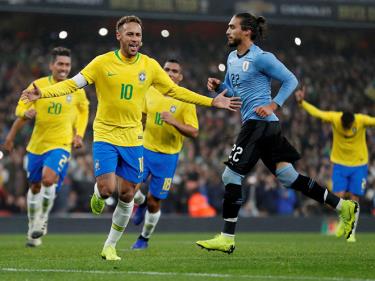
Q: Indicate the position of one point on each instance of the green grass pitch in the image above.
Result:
(258, 256)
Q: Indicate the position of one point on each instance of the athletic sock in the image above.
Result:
(151, 220)
(120, 219)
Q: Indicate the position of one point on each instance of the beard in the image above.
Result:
(235, 42)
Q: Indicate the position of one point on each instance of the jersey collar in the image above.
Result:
(51, 80)
(132, 60)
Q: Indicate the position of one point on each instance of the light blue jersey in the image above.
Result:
(249, 77)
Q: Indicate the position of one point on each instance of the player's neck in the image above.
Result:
(127, 56)
(243, 47)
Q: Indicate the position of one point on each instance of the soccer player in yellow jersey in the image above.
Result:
(168, 122)
(59, 122)
(349, 150)
(122, 78)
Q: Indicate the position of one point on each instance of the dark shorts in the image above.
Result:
(260, 140)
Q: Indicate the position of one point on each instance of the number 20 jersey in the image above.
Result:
(56, 118)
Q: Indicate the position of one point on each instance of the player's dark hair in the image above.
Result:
(59, 51)
(257, 25)
(347, 119)
(172, 60)
(127, 19)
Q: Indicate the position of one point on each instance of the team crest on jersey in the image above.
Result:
(354, 130)
(142, 76)
(69, 98)
(245, 65)
(173, 109)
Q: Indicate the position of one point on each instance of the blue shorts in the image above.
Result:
(56, 159)
(126, 162)
(161, 167)
(349, 179)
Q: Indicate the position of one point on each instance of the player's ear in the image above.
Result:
(141, 44)
(118, 36)
(181, 77)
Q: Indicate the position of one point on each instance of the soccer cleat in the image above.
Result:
(219, 243)
(139, 214)
(340, 229)
(32, 243)
(349, 216)
(140, 244)
(39, 228)
(351, 239)
(97, 204)
(109, 253)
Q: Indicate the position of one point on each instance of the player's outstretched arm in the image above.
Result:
(310, 109)
(59, 89)
(230, 103)
(30, 95)
(9, 139)
(369, 121)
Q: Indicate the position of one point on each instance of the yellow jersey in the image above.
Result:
(56, 119)
(121, 85)
(349, 147)
(160, 136)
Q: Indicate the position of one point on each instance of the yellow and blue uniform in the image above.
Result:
(121, 85)
(349, 149)
(163, 142)
(56, 121)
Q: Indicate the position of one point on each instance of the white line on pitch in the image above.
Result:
(212, 275)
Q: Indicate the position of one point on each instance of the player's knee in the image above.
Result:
(126, 193)
(232, 200)
(287, 175)
(49, 179)
(153, 204)
(105, 190)
(35, 188)
(231, 177)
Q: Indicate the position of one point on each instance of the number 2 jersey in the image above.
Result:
(56, 119)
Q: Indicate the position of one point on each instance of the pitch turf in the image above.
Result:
(296, 256)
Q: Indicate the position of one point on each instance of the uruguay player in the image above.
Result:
(249, 74)
(168, 122)
(349, 153)
(122, 78)
(59, 122)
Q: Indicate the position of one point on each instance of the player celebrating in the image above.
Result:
(59, 121)
(249, 74)
(168, 122)
(349, 153)
(122, 78)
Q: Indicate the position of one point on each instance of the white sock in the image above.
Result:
(228, 235)
(139, 197)
(34, 204)
(151, 220)
(339, 205)
(96, 191)
(120, 219)
(48, 194)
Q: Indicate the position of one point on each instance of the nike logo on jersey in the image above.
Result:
(111, 74)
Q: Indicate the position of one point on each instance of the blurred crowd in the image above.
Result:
(337, 68)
